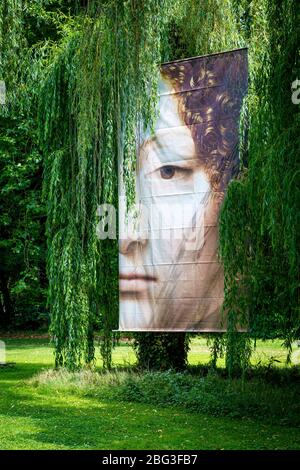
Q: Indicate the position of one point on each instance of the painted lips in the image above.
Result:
(134, 283)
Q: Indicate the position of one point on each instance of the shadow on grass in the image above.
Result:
(72, 422)
(34, 417)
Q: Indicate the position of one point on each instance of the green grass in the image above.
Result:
(86, 415)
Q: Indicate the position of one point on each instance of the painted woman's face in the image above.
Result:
(169, 274)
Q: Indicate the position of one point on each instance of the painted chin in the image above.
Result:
(135, 286)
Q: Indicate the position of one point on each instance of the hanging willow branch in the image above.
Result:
(259, 235)
(101, 81)
(11, 47)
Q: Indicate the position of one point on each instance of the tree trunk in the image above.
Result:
(7, 311)
(161, 351)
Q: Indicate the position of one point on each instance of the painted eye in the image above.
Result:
(167, 172)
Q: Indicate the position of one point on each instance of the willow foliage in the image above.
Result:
(260, 218)
(101, 80)
(202, 28)
(259, 227)
(11, 42)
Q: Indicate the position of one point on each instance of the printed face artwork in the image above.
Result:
(170, 276)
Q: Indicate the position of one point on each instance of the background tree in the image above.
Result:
(26, 27)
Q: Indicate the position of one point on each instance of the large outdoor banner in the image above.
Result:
(170, 277)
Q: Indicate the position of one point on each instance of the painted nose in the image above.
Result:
(131, 246)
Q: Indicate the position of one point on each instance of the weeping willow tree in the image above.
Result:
(259, 239)
(101, 80)
(260, 218)
(97, 82)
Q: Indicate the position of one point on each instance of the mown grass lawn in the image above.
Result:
(34, 417)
